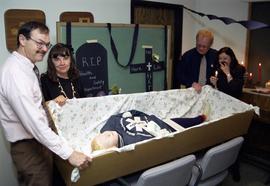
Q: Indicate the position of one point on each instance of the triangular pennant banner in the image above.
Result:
(250, 24)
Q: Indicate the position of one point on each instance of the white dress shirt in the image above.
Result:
(21, 113)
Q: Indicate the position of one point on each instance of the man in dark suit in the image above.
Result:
(198, 64)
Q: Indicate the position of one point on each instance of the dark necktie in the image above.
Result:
(36, 71)
(37, 74)
(50, 120)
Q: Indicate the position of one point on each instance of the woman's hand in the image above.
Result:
(60, 100)
(225, 68)
(213, 80)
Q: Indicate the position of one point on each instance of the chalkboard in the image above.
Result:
(93, 67)
(155, 36)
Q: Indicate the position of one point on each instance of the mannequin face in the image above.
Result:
(107, 139)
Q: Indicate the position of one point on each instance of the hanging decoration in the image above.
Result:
(249, 24)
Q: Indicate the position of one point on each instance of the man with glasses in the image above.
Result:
(198, 64)
(40, 45)
(21, 113)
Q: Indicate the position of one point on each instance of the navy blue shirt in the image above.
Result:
(129, 133)
(189, 67)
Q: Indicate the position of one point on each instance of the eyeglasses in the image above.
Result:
(40, 45)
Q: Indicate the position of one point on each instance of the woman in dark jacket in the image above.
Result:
(62, 80)
(229, 77)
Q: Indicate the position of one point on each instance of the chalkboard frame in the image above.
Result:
(60, 25)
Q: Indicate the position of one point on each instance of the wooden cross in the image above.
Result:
(148, 67)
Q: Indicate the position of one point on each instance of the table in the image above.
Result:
(256, 148)
(261, 100)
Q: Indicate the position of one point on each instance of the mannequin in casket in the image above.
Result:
(134, 126)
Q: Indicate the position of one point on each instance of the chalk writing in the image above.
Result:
(87, 73)
(92, 63)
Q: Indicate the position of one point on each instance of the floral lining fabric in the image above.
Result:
(81, 119)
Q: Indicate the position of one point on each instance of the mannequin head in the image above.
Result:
(105, 140)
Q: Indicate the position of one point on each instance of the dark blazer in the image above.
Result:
(189, 66)
(235, 86)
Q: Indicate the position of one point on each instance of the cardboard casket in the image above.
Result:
(81, 119)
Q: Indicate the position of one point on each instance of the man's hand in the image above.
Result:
(60, 100)
(79, 160)
(197, 87)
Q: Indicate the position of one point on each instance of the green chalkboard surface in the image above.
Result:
(153, 36)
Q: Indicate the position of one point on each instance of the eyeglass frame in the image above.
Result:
(40, 45)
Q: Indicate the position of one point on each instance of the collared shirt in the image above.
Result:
(21, 113)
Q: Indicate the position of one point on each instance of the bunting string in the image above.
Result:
(249, 24)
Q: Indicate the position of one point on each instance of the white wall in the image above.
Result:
(7, 172)
(233, 35)
(118, 11)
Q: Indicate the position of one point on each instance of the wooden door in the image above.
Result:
(161, 14)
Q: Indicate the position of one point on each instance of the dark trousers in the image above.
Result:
(189, 122)
(57, 178)
(33, 163)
